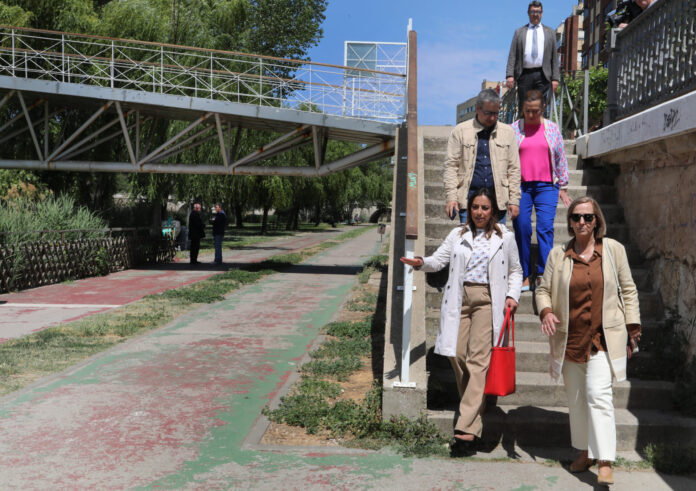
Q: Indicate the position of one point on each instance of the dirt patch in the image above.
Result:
(282, 434)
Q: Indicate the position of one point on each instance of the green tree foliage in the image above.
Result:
(281, 28)
(597, 92)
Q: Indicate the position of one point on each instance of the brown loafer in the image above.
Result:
(607, 479)
(581, 465)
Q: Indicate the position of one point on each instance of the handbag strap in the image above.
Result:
(508, 324)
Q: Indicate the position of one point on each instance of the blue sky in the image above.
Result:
(460, 42)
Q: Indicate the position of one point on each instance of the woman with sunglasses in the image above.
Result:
(588, 307)
(544, 172)
(484, 281)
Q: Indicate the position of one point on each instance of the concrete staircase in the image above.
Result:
(536, 415)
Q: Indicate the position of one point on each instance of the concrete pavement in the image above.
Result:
(31, 310)
(179, 407)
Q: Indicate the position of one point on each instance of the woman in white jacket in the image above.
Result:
(485, 279)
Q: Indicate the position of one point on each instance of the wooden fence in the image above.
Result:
(29, 264)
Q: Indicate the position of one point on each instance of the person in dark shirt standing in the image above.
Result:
(219, 220)
(196, 232)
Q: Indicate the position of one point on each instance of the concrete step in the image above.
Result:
(436, 143)
(439, 228)
(613, 214)
(527, 327)
(604, 194)
(434, 174)
(533, 356)
(548, 426)
(538, 389)
(650, 302)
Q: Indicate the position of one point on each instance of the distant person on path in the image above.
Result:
(482, 153)
(544, 170)
(484, 281)
(196, 232)
(588, 307)
(219, 221)
(533, 61)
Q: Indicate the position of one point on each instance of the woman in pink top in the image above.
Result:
(544, 171)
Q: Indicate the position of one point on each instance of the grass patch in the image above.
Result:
(26, 359)
(375, 263)
(360, 424)
(671, 459)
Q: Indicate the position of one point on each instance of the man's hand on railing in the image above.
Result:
(510, 82)
(554, 85)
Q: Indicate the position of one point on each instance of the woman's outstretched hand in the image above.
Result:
(548, 324)
(416, 262)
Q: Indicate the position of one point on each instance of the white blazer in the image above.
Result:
(504, 276)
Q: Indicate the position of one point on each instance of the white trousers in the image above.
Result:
(591, 406)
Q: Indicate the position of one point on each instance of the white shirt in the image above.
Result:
(477, 267)
(537, 62)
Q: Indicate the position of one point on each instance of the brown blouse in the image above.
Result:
(585, 334)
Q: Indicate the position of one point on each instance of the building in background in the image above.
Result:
(570, 37)
(467, 110)
(595, 27)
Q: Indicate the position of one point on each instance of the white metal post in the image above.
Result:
(405, 381)
(586, 115)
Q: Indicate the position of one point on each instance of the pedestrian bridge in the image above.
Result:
(126, 89)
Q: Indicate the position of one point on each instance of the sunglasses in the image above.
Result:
(588, 217)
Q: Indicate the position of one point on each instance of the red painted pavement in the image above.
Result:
(93, 295)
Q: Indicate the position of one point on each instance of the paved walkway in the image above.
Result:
(32, 310)
(179, 407)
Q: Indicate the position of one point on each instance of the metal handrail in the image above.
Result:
(652, 59)
(203, 73)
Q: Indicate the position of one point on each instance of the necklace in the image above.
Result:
(586, 252)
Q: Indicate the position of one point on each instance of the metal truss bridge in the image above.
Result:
(125, 84)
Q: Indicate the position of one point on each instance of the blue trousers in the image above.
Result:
(543, 196)
(217, 239)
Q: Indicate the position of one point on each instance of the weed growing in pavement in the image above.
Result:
(337, 358)
(671, 459)
(375, 263)
(345, 329)
(51, 350)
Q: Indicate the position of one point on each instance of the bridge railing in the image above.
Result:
(652, 59)
(203, 73)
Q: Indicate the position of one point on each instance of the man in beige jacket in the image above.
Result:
(482, 152)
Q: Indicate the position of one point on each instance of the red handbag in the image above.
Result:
(500, 380)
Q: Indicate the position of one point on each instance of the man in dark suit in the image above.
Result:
(196, 232)
(533, 61)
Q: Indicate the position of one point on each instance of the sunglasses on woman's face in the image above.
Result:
(588, 217)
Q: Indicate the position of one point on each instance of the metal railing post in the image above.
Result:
(111, 74)
(411, 210)
(586, 103)
(13, 52)
(610, 112)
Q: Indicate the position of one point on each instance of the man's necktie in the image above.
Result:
(535, 44)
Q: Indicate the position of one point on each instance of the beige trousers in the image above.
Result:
(591, 406)
(470, 366)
